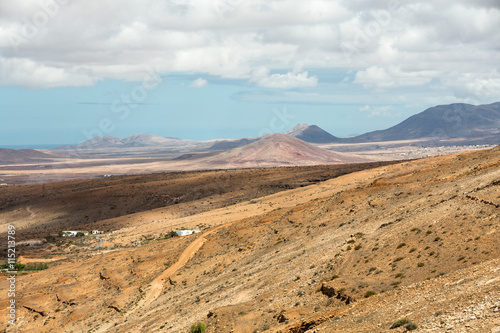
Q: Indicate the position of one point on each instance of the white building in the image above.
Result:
(186, 232)
(97, 232)
(73, 233)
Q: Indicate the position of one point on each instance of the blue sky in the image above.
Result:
(232, 68)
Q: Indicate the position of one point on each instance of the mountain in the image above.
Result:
(312, 134)
(11, 156)
(230, 143)
(279, 149)
(310, 249)
(444, 122)
(136, 140)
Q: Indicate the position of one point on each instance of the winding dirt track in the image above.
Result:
(157, 284)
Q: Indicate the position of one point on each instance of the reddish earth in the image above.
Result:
(415, 240)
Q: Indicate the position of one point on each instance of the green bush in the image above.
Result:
(36, 266)
(411, 326)
(17, 266)
(400, 322)
(80, 234)
(370, 293)
(408, 324)
(199, 328)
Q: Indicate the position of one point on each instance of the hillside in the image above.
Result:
(356, 253)
(133, 141)
(311, 134)
(86, 203)
(11, 156)
(279, 150)
(470, 123)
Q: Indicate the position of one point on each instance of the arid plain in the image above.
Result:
(313, 249)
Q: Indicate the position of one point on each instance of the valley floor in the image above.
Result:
(349, 252)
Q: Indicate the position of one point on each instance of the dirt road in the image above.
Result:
(158, 283)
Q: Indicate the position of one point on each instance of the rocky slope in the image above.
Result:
(417, 240)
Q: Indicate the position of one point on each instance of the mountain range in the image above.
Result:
(444, 122)
(443, 125)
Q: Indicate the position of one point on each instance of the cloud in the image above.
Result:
(199, 83)
(388, 44)
(392, 77)
(379, 111)
(283, 81)
(30, 74)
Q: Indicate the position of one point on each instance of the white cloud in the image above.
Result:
(289, 80)
(408, 45)
(392, 77)
(379, 111)
(199, 83)
(27, 73)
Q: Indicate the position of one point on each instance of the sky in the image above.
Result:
(197, 69)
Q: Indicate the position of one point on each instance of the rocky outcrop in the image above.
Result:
(330, 291)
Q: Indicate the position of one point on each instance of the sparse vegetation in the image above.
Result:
(198, 328)
(408, 324)
(411, 326)
(245, 247)
(25, 267)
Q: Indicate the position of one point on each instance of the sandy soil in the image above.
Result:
(416, 240)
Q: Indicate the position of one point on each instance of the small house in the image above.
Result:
(96, 232)
(186, 232)
(73, 233)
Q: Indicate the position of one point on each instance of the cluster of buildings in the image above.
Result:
(79, 233)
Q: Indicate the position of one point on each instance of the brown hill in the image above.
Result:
(279, 150)
(416, 241)
(11, 156)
